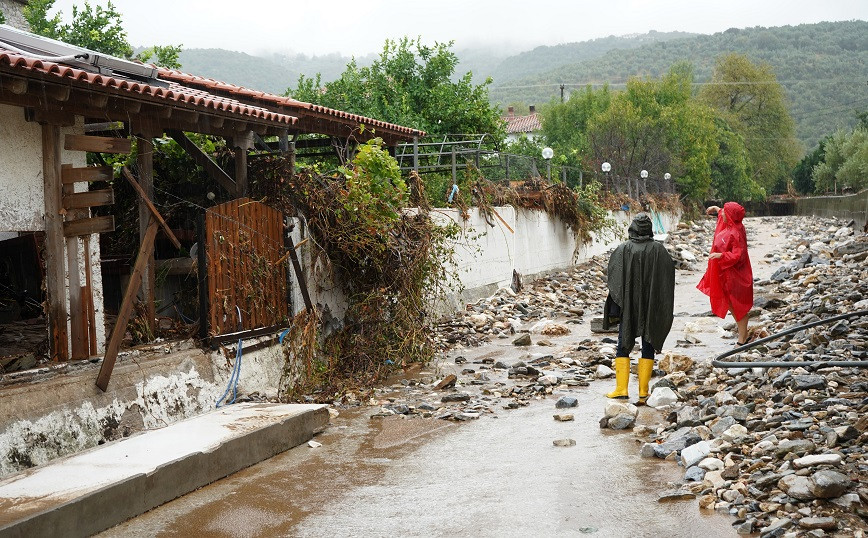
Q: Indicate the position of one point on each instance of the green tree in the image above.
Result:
(654, 125)
(95, 28)
(565, 125)
(409, 84)
(803, 179)
(753, 103)
(730, 170)
(2, 18)
(845, 163)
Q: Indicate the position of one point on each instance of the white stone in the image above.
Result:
(604, 372)
(607, 350)
(479, 319)
(734, 433)
(662, 396)
(621, 408)
(817, 459)
(711, 464)
(714, 478)
(313, 444)
(694, 453)
(688, 256)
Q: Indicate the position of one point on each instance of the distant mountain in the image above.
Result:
(822, 67)
(548, 58)
(273, 73)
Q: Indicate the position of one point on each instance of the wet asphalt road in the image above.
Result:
(499, 475)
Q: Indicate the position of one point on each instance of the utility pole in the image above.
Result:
(562, 93)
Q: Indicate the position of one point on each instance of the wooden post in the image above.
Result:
(454, 168)
(242, 143)
(145, 163)
(299, 274)
(416, 153)
(77, 315)
(507, 167)
(55, 280)
(202, 274)
(146, 251)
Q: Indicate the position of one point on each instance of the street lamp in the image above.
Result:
(606, 168)
(667, 176)
(547, 154)
(644, 175)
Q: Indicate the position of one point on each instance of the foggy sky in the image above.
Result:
(360, 27)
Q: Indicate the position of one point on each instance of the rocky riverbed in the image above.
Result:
(781, 450)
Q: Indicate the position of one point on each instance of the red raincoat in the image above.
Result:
(728, 281)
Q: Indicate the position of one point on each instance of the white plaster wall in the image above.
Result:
(543, 243)
(22, 204)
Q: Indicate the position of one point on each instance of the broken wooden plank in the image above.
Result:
(97, 144)
(117, 335)
(81, 200)
(87, 173)
(90, 225)
(156, 214)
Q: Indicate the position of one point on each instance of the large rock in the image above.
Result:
(675, 362)
(829, 484)
(565, 402)
(807, 382)
(797, 487)
(676, 442)
(694, 453)
(662, 396)
(796, 446)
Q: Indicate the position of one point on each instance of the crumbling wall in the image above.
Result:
(11, 9)
(53, 412)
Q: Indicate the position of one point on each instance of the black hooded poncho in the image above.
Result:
(642, 284)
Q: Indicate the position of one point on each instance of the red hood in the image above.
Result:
(734, 213)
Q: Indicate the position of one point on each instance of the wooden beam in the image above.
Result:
(97, 100)
(97, 144)
(240, 172)
(55, 266)
(77, 316)
(145, 164)
(18, 86)
(90, 225)
(87, 173)
(156, 214)
(146, 252)
(202, 159)
(81, 200)
(58, 93)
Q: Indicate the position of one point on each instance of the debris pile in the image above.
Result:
(783, 449)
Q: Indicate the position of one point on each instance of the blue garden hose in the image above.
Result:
(236, 371)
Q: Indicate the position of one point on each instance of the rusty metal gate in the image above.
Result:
(246, 266)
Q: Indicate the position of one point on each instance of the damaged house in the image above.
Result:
(76, 127)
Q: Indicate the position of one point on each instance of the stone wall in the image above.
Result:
(853, 206)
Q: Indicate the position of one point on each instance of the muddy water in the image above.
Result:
(496, 476)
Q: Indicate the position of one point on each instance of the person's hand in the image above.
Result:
(714, 255)
(712, 210)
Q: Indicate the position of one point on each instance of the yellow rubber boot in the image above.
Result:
(645, 368)
(622, 377)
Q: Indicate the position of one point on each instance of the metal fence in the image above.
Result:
(452, 154)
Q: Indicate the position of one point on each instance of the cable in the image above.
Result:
(717, 363)
(236, 370)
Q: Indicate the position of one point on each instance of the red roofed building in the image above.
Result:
(516, 126)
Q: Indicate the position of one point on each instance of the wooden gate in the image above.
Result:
(246, 266)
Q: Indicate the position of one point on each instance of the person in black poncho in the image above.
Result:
(641, 279)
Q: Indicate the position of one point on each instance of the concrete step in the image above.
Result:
(91, 491)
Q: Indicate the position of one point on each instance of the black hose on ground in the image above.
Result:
(718, 363)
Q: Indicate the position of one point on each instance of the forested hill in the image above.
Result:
(822, 67)
(548, 58)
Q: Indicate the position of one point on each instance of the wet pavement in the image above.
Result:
(499, 475)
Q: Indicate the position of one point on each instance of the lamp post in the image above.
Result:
(547, 154)
(606, 168)
(644, 175)
(666, 177)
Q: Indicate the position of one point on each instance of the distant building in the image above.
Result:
(11, 9)
(516, 126)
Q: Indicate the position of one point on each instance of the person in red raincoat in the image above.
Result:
(728, 281)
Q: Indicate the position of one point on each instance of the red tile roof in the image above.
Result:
(522, 124)
(174, 93)
(292, 105)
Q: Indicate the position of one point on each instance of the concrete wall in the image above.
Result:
(56, 411)
(853, 206)
(22, 204)
(11, 9)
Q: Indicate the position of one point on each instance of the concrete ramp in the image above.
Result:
(89, 492)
